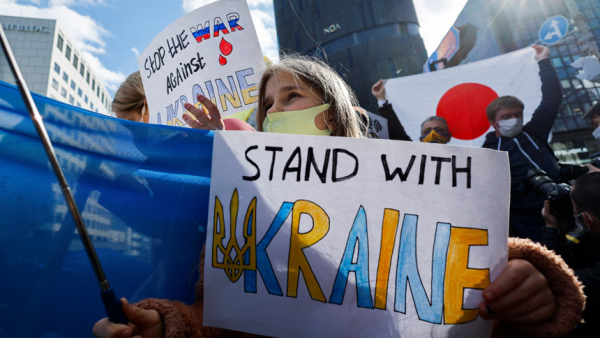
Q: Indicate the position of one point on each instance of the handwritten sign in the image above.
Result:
(212, 51)
(327, 236)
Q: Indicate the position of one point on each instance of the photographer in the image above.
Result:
(580, 247)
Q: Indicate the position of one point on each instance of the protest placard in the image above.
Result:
(379, 124)
(212, 51)
(352, 238)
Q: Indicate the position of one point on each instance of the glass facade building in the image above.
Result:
(362, 40)
(491, 27)
(51, 64)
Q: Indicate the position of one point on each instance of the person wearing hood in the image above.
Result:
(527, 146)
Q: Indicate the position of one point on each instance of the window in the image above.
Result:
(57, 68)
(59, 42)
(78, 104)
(82, 69)
(75, 61)
(85, 99)
(102, 97)
(66, 77)
(68, 52)
(93, 84)
(79, 92)
(88, 78)
(63, 92)
(92, 106)
(98, 91)
(71, 99)
(54, 84)
(72, 84)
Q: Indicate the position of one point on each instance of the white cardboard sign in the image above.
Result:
(212, 51)
(379, 124)
(346, 237)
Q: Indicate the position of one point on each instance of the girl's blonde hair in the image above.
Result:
(325, 83)
(130, 94)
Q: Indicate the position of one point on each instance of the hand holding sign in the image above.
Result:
(520, 294)
(212, 51)
(283, 246)
(209, 119)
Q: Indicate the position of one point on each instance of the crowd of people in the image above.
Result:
(537, 294)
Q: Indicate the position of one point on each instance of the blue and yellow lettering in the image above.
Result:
(407, 271)
(360, 268)
(225, 95)
(263, 263)
(245, 87)
(172, 119)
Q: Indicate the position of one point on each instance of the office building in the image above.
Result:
(364, 41)
(51, 64)
(489, 28)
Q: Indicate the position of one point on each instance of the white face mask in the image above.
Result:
(510, 127)
(596, 134)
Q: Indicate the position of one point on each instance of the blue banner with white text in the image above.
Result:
(143, 194)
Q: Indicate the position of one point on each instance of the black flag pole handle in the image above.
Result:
(112, 305)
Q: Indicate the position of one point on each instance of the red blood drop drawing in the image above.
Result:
(225, 47)
(222, 60)
(463, 107)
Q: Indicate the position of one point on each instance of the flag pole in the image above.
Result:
(111, 304)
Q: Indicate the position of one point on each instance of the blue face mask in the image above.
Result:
(300, 122)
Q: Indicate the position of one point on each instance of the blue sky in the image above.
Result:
(111, 33)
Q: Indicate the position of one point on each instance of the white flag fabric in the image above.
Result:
(461, 94)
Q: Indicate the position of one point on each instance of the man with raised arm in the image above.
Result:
(527, 146)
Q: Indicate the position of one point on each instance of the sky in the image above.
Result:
(111, 33)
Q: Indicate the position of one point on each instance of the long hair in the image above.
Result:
(326, 84)
(130, 95)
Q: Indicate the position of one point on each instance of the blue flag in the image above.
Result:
(143, 194)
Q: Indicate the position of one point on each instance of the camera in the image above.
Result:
(557, 195)
(570, 172)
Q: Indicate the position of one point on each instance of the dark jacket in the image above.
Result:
(395, 128)
(582, 254)
(530, 148)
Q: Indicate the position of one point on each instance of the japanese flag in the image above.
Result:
(461, 94)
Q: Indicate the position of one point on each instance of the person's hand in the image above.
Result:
(142, 324)
(378, 90)
(551, 221)
(207, 120)
(592, 168)
(520, 295)
(541, 52)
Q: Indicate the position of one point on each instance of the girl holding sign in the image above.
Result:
(536, 294)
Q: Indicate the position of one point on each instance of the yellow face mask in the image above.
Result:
(434, 137)
(300, 122)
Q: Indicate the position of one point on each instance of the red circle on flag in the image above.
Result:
(463, 107)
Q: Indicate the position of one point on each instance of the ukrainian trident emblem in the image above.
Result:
(235, 259)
